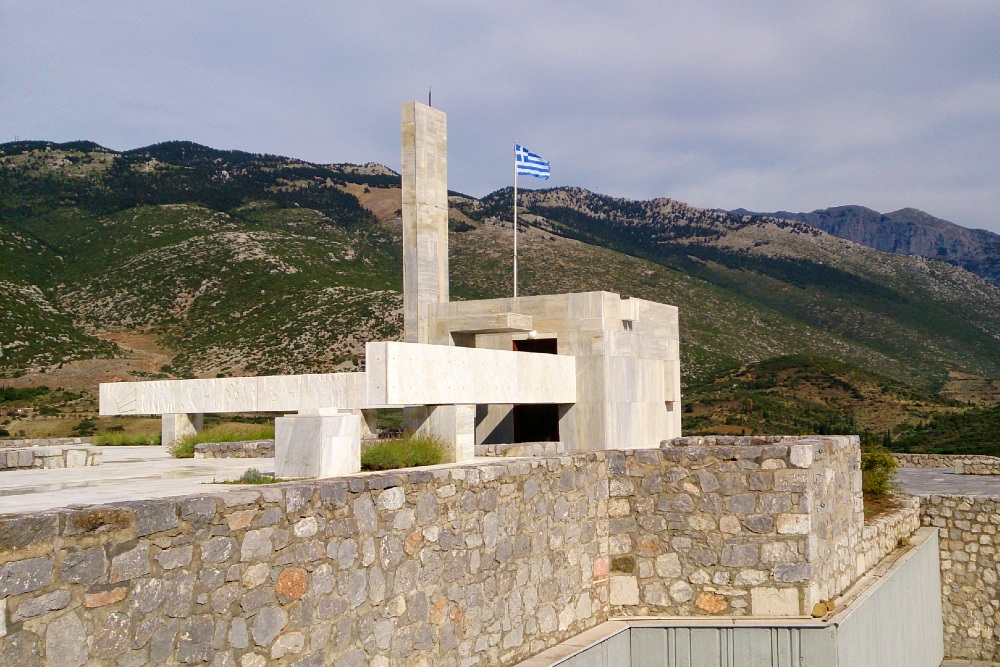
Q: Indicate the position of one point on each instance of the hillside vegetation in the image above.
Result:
(237, 263)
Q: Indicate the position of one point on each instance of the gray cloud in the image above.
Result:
(766, 105)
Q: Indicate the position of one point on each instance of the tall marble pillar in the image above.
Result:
(425, 216)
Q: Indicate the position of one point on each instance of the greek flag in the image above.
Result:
(530, 164)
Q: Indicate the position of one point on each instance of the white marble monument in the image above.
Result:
(594, 370)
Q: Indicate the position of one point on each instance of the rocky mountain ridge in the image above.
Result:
(908, 231)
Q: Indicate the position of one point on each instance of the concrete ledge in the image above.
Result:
(60, 456)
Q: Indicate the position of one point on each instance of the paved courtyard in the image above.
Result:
(943, 481)
(127, 473)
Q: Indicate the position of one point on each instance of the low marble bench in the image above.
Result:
(58, 456)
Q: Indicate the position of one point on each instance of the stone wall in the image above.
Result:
(44, 442)
(970, 464)
(762, 526)
(522, 449)
(458, 565)
(249, 449)
(981, 465)
(65, 456)
(970, 568)
(461, 564)
(886, 532)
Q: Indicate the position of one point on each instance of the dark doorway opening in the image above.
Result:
(536, 422)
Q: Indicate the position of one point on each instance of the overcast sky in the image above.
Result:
(763, 105)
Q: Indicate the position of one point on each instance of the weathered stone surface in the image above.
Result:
(793, 524)
(24, 576)
(171, 559)
(267, 624)
(287, 644)
(792, 572)
(66, 642)
(112, 638)
(680, 591)
(20, 649)
(711, 603)
(180, 594)
(148, 594)
(131, 564)
(102, 598)
(291, 584)
(257, 545)
(42, 604)
(20, 531)
(624, 590)
(218, 549)
(766, 601)
(195, 641)
(153, 516)
(740, 555)
(240, 520)
(255, 575)
(84, 567)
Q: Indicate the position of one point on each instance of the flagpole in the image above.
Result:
(515, 219)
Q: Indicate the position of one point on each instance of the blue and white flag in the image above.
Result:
(530, 164)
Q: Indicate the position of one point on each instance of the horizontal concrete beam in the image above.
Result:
(272, 393)
(488, 323)
(412, 373)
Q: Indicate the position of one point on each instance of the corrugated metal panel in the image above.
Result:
(733, 647)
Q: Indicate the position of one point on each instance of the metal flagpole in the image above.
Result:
(515, 218)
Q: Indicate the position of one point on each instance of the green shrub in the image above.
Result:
(87, 427)
(408, 451)
(184, 448)
(877, 471)
(254, 476)
(126, 439)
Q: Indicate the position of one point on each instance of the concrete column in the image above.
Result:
(317, 445)
(425, 216)
(454, 424)
(369, 427)
(425, 235)
(175, 426)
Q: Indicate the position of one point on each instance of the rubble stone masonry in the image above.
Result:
(970, 568)
(465, 564)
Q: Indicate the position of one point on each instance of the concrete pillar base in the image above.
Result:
(455, 425)
(317, 445)
(173, 427)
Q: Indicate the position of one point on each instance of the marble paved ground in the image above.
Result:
(128, 473)
(929, 481)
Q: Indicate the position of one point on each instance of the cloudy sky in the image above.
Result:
(766, 105)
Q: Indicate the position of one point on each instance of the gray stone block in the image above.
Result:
(24, 576)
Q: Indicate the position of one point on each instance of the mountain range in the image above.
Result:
(908, 231)
(179, 260)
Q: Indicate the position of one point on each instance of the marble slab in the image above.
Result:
(412, 373)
